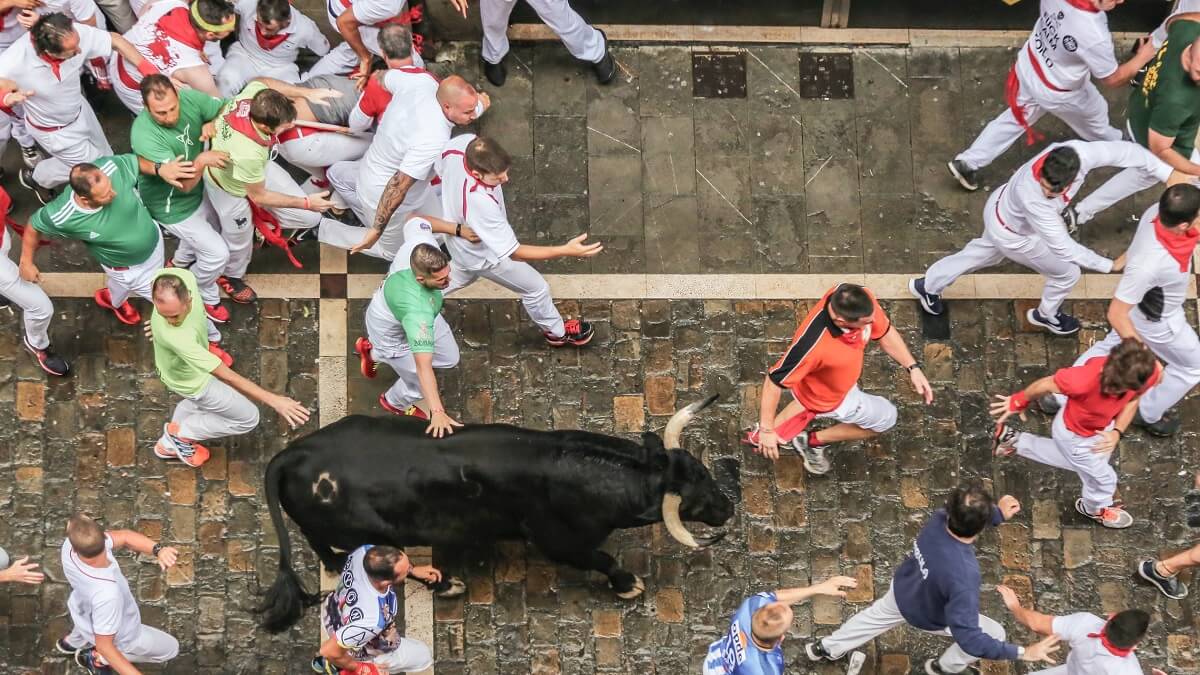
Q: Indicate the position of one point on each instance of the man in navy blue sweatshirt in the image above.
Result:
(936, 589)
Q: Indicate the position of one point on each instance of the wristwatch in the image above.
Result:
(914, 366)
(154, 550)
(157, 166)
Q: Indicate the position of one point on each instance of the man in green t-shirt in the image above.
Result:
(245, 130)
(168, 137)
(214, 401)
(405, 328)
(1164, 116)
(102, 209)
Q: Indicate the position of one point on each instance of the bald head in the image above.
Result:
(458, 100)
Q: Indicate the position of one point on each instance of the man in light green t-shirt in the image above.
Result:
(214, 401)
(245, 131)
(168, 137)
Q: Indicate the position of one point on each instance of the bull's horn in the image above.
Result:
(680, 420)
(670, 511)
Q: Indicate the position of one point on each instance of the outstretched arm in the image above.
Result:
(893, 344)
(1042, 624)
(289, 409)
(832, 587)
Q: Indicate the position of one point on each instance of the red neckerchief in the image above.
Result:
(55, 64)
(268, 41)
(178, 24)
(1179, 244)
(1037, 174)
(239, 120)
(1085, 5)
(1112, 649)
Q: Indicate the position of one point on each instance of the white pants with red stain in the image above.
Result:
(1068, 450)
(582, 40)
(36, 310)
(80, 141)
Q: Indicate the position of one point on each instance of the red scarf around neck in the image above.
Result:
(55, 64)
(1112, 649)
(239, 120)
(177, 24)
(268, 42)
(1085, 5)
(1179, 244)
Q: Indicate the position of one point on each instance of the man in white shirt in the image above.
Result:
(359, 23)
(1148, 303)
(103, 611)
(1070, 45)
(1023, 222)
(41, 72)
(270, 36)
(172, 35)
(1098, 647)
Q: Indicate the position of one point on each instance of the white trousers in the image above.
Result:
(407, 388)
(135, 279)
(239, 69)
(1174, 342)
(80, 141)
(36, 310)
(121, 14)
(1067, 450)
(999, 244)
(216, 412)
(520, 278)
(361, 191)
(341, 59)
(1160, 34)
(237, 228)
(882, 616)
(1127, 182)
(409, 656)
(201, 247)
(151, 645)
(871, 412)
(317, 152)
(1084, 110)
(582, 40)
(13, 126)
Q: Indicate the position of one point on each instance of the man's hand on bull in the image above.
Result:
(426, 573)
(290, 409)
(441, 424)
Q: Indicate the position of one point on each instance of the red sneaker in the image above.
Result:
(126, 313)
(217, 312)
(216, 350)
(237, 290)
(186, 450)
(410, 411)
(365, 363)
(575, 333)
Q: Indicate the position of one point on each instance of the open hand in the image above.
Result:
(22, 571)
(833, 586)
(167, 557)
(1002, 409)
(576, 248)
(291, 410)
(1009, 596)
(441, 424)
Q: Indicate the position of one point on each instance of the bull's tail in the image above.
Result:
(284, 603)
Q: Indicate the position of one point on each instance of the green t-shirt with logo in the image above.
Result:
(415, 307)
(1168, 100)
(181, 353)
(163, 144)
(247, 159)
(120, 233)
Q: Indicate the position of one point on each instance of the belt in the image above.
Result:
(298, 132)
(49, 129)
(119, 269)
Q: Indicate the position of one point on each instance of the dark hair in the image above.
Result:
(1128, 368)
(1060, 167)
(380, 562)
(272, 11)
(1126, 628)
(1179, 205)
(426, 259)
(395, 41)
(212, 11)
(272, 108)
(486, 156)
(79, 178)
(48, 33)
(157, 84)
(171, 283)
(851, 302)
(968, 509)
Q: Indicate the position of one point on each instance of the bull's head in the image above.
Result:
(691, 492)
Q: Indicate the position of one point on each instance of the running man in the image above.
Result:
(190, 364)
(36, 308)
(359, 22)
(821, 368)
(1070, 45)
(1093, 403)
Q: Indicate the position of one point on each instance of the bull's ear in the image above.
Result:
(653, 442)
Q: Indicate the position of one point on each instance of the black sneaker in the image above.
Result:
(1062, 324)
(964, 174)
(237, 290)
(932, 304)
(605, 68)
(1048, 404)
(1071, 217)
(63, 647)
(496, 73)
(44, 195)
(1167, 426)
(932, 668)
(31, 156)
(50, 362)
(1004, 440)
(817, 652)
(88, 660)
(575, 333)
(5, 302)
(1171, 587)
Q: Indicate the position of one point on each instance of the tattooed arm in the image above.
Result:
(393, 195)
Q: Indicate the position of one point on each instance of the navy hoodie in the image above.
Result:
(937, 587)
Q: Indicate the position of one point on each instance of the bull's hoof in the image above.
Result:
(639, 587)
(450, 587)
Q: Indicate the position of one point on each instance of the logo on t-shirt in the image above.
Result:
(1070, 44)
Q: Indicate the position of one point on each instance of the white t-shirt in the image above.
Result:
(58, 97)
(100, 602)
(366, 616)
(410, 137)
(1070, 45)
(1152, 279)
(160, 48)
(1088, 656)
(78, 10)
(470, 202)
(417, 230)
(302, 32)
(369, 13)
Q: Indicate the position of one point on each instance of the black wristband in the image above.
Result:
(914, 366)
(154, 550)
(458, 230)
(157, 166)
(1120, 434)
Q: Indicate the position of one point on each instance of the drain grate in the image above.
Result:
(719, 75)
(826, 76)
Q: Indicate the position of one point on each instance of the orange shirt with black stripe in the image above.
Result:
(824, 362)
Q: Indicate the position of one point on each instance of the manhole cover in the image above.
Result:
(719, 75)
(826, 76)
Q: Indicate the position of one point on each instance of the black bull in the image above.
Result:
(366, 480)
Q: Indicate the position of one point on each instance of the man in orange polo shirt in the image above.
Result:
(821, 368)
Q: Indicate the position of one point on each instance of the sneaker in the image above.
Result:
(49, 361)
(750, 436)
(63, 647)
(1048, 404)
(31, 156)
(4, 302)
(217, 312)
(1167, 426)
(815, 459)
(126, 313)
(44, 195)
(215, 349)
(1004, 440)
(932, 668)
(964, 174)
(164, 447)
(605, 68)
(366, 364)
(1071, 217)
(932, 304)
(496, 73)
(1112, 517)
(320, 665)
(410, 411)
(1171, 587)
(89, 659)
(237, 290)
(1063, 324)
(817, 652)
(575, 333)
(188, 451)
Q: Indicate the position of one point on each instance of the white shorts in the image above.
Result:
(871, 412)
